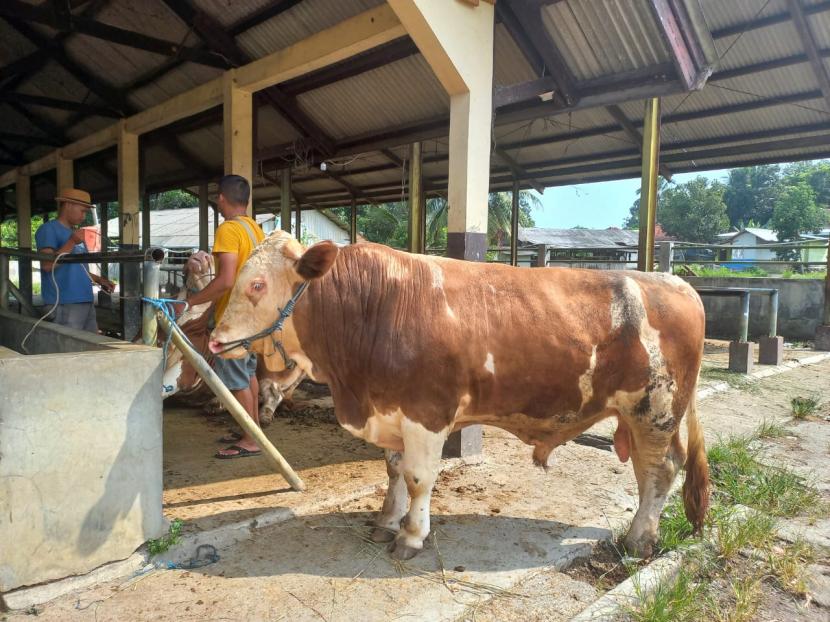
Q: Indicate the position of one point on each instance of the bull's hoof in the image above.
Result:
(401, 551)
(382, 534)
(642, 548)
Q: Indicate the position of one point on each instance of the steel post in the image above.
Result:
(743, 327)
(4, 282)
(149, 320)
(648, 188)
(514, 225)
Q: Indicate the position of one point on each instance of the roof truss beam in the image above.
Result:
(634, 134)
(810, 47)
(215, 37)
(689, 60)
(770, 20)
(524, 22)
(60, 104)
(83, 25)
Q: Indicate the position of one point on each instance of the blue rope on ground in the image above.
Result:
(165, 306)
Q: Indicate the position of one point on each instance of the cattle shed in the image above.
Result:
(346, 103)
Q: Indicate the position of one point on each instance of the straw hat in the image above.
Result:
(74, 195)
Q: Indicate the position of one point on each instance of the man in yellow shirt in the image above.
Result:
(233, 243)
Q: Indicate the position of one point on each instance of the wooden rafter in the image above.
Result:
(523, 19)
(215, 37)
(60, 104)
(810, 47)
(23, 11)
(634, 134)
(518, 170)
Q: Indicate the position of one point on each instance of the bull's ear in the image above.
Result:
(317, 260)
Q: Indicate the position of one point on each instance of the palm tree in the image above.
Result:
(499, 212)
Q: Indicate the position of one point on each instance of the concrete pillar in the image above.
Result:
(666, 256)
(285, 200)
(417, 206)
(23, 194)
(128, 203)
(456, 39)
(514, 225)
(66, 173)
(203, 217)
(541, 256)
(238, 127)
(648, 189)
(353, 221)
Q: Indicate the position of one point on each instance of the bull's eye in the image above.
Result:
(258, 286)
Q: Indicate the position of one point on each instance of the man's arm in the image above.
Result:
(76, 238)
(221, 284)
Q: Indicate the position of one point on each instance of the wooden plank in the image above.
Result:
(673, 36)
(65, 172)
(344, 40)
(128, 185)
(198, 99)
(238, 124)
(100, 140)
(41, 165)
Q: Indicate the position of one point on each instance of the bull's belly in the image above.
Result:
(383, 430)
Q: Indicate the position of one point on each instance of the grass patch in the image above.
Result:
(734, 379)
(740, 478)
(738, 560)
(174, 534)
(770, 429)
(803, 407)
(789, 274)
(672, 601)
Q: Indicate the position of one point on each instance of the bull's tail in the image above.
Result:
(696, 486)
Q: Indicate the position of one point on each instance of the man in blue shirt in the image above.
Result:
(72, 298)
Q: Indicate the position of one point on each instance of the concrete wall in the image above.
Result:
(80, 454)
(799, 307)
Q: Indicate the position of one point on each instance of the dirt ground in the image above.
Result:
(503, 530)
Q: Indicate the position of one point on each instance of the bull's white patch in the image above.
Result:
(450, 313)
(420, 465)
(489, 364)
(586, 380)
(437, 275)
(381, 429)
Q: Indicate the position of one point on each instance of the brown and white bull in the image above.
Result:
(180, 377)
(414, 347)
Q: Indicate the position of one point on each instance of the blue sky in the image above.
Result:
(597, 206)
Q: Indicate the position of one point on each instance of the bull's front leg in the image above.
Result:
(388, 522)
(419, 466)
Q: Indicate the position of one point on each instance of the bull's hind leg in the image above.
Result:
(657, 457)
(419, 466)
(388, 522)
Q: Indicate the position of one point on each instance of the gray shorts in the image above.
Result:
(235, 374)
(77, 315)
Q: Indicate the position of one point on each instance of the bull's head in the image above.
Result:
(264, 286)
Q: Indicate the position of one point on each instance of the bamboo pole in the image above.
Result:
(233, 406)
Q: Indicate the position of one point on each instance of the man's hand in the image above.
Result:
(77, 236)
(179, 308)
(105, 284)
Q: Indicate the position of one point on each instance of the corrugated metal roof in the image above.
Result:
(602, 37)
(597, 39)
(578, 238)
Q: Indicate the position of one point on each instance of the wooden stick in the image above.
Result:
(233, 406)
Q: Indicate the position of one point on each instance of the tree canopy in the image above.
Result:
(790, 200)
